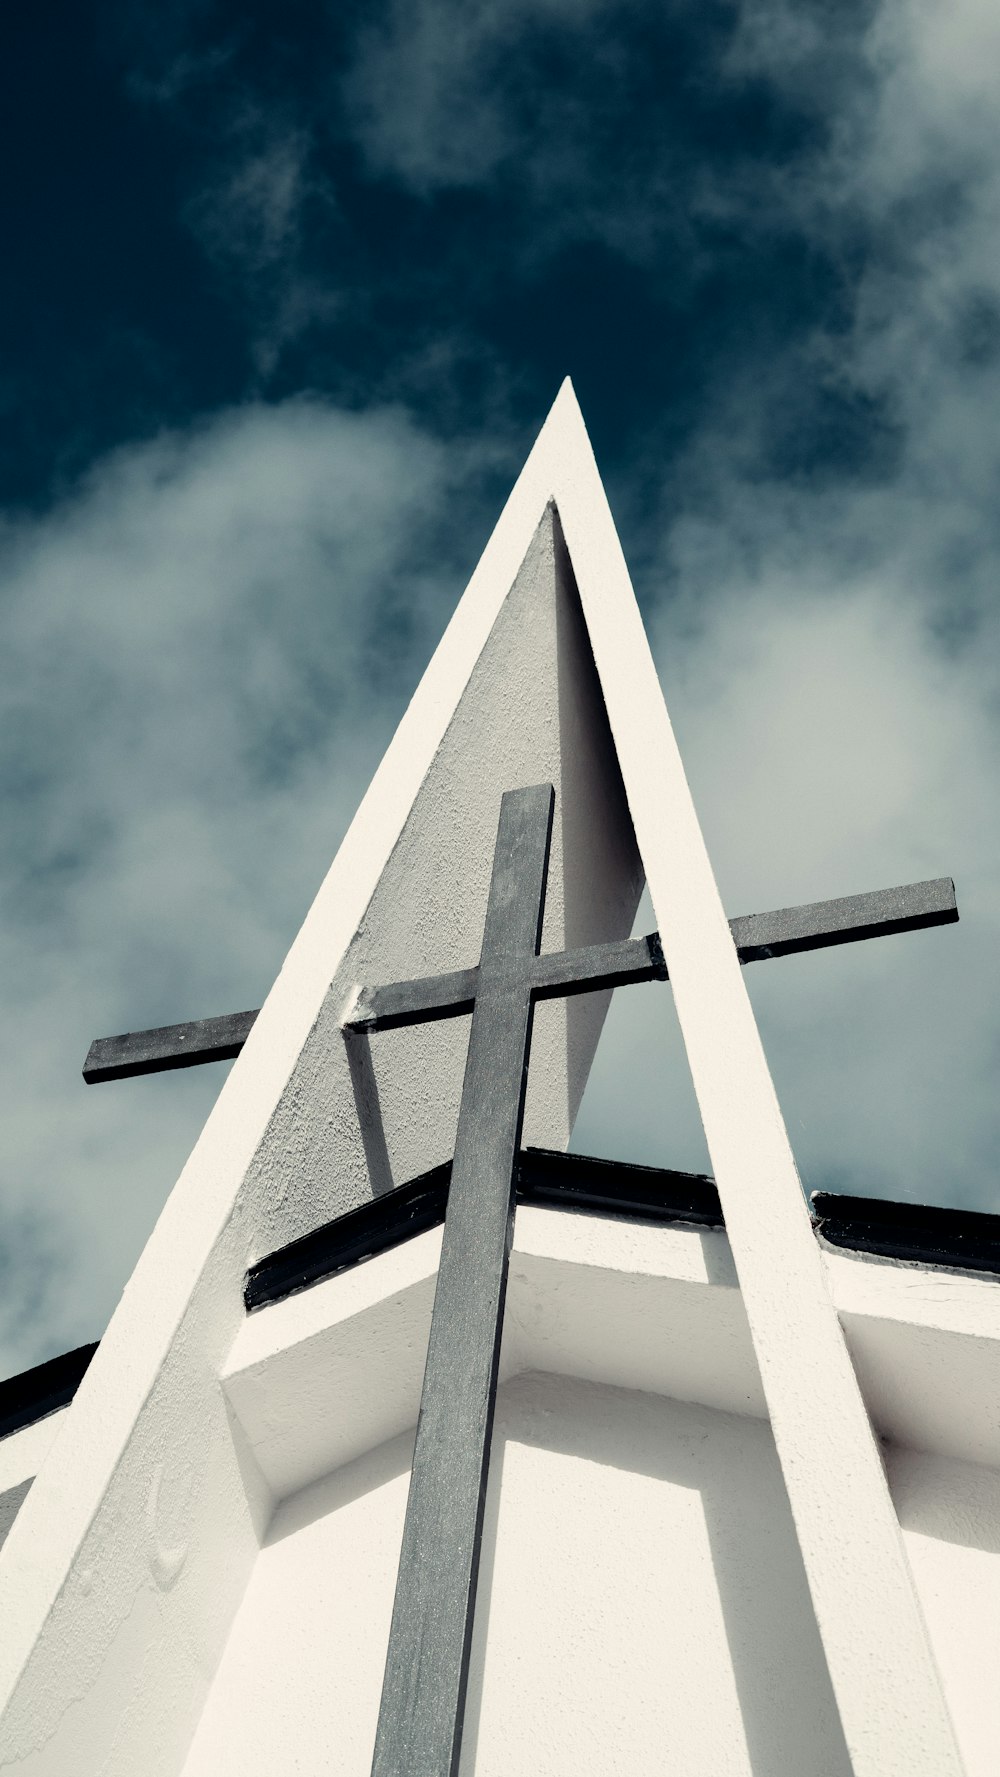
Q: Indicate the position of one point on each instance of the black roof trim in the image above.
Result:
(962, 1239)
(377, 1226)
(569, 1181)
(37, 1393)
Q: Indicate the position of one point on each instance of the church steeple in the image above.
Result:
(138, 1547)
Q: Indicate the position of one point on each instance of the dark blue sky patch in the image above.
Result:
(215, 208)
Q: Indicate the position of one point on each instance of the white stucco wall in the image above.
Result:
(532, 712)
(643, 1604)
(21, 1456)
(950, 1513)
(643, 1597)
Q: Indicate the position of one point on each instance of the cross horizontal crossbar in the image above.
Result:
(910, 908)
(551, 977)
(756, 936)
(168, 1046)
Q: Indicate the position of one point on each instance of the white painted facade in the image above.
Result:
(643, 1604)
(693, 1558)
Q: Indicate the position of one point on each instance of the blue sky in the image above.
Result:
(284, 296)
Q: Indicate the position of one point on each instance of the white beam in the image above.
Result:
(887, 1686)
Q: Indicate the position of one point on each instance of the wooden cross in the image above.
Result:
(757, 936)
(426, 1674)
(423, 1698)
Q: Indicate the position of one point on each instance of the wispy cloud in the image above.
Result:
(827, 626)
(253, 217)
(655, 135)
(205, 648)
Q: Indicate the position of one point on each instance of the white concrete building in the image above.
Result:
(743, 1508)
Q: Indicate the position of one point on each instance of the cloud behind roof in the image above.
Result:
(205, 648)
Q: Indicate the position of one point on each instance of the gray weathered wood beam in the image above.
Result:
(423, 1695)
(757, 936)
(909, 908)
(168, 1046)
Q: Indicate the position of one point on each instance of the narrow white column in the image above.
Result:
(888, 1689)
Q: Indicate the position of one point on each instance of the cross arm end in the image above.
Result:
(908, 908)
(167, 1047)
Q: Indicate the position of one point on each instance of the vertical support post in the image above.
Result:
(423, 1697)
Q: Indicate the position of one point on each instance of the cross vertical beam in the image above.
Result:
(423, 1697)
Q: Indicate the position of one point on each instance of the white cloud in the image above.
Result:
(833, 748)
(204, 649)
(829, 649)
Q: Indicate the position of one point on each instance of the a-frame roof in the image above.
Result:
(123, 1569)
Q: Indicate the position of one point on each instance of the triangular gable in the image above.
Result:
(122, 1572)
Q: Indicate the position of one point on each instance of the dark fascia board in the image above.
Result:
(951, 1238)
(36, 1393)
(569, 1181)
(374, 1228)
(574, 1181)
(962, 1239)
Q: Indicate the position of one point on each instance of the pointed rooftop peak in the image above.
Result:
(151, 1498)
